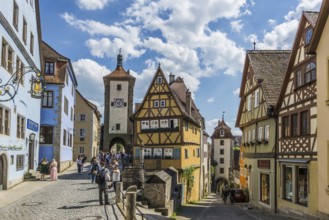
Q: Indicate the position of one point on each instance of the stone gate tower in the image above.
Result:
(119, 93)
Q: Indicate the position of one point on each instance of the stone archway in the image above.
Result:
(220, 182)
(117, 145)
(3, 172)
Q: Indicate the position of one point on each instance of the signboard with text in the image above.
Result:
(32, 125)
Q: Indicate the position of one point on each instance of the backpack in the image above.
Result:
(100, 178)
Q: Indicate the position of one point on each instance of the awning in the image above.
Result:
(294, 160)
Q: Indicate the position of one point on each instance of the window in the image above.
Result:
(253, 135)
(221, 133)
(221, 160)
(72, 90)
(20, 133)
(164, 123)
(7, 56)
(221, 142)
(24, 31)
(71, 139)
(32, 44)
(249, 136)
(285, 126)
(82, 132)
(6, 122)
(156, 104)
(49, 68)
(81, 150)
(287, 180)
(47, 133)
(186, 153)
(221, 170)
(117, 126)
(47, 100)
(256, 98)
(16, 15)
(302, 186)
(221, 151)
(308, 36)
(66, 105)
(71, 116)
(4, 46)
(157, 153)
(198, 152)
(119, 87)
(147, 153)
(64, 137)
(154, 124)
(310, 72)
(249, 102)
(145, 125)
(260, 134)
(173, 123)
(265, 188)
(299, 78)
(20, 162)
(294, 125)
(305, 123)
(168, 153)
(159, 79)
(19, 69)
(82, 117)
(267, 133)
(162, 103)
(10, 60)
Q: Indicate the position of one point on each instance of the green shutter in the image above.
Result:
(137, 153)
(177, 153)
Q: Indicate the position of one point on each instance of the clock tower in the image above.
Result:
(119, 94)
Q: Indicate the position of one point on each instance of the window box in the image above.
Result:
(265, 141)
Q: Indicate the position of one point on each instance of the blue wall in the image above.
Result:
(47, 152)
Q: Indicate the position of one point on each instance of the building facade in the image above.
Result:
(320, 45)
(87, 128)
(222, 143)
(119, 94)
(57, 112)
(167, 132)
(20, 38)
(297, 165)
(262, 79)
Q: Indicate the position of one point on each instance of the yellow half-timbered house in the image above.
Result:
(167, 130)
(262, 79)
(297, 175)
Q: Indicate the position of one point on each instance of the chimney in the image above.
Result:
(171, 78)
(188, 102)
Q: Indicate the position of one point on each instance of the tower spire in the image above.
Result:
(223, 115)
(119, 59)
(254, 45)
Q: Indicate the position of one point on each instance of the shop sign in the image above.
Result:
(32, 125)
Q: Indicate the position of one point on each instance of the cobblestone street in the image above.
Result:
(73, 196)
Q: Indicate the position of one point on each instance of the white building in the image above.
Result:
(19, 117)
(222, 143)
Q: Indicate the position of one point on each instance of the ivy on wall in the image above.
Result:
(188, 179)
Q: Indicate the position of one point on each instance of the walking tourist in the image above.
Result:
(53, 170)
(103, 180)
(93, 169)
(115, 176)
(79, 163)
(44, 170)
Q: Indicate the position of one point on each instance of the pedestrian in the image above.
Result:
(94, 169)
(53, 170)
(115, 176)
(44, 168)
(79, 163)
(103, 180)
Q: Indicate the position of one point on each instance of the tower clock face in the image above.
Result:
(118, 103)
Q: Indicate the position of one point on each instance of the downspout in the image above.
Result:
(275, 166)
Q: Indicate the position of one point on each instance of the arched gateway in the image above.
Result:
(3, 172)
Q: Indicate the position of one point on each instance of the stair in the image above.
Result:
(32, 175)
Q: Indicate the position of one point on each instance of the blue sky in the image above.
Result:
(203, 41)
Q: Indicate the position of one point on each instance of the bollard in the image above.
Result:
(118, 194)
(131, 206)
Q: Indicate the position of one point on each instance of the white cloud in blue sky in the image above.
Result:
(204, 42)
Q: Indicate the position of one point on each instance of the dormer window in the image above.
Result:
(308, 36)
(159, 79)
(222, 133)
(49, 68)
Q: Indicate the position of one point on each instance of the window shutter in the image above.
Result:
(176, 153)
(137, 153)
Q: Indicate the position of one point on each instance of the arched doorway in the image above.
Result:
(117, 145)
(220, 182)
(3, 172)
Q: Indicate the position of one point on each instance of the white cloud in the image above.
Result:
(92, 4)
(236, 92)
(237, 25)
(304, 5)
(271, 22)
(90, 78)
(211, 100)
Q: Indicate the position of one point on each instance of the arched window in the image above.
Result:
(310, 74)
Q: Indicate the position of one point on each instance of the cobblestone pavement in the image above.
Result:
(72, 197)
(212, 208)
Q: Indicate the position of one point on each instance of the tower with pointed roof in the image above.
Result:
(119, 93)
(222, 143)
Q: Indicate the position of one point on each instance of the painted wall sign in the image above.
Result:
(264, 164)
(32, 125)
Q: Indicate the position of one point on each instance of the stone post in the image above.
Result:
(118, 194)
(131, 205)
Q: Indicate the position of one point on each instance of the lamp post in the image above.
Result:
(9, 89)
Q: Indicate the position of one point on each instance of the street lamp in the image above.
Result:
(9, 89)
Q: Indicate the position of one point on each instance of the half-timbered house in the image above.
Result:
(262, 79)
(167, 130)
(320, 45)
(297, 180)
